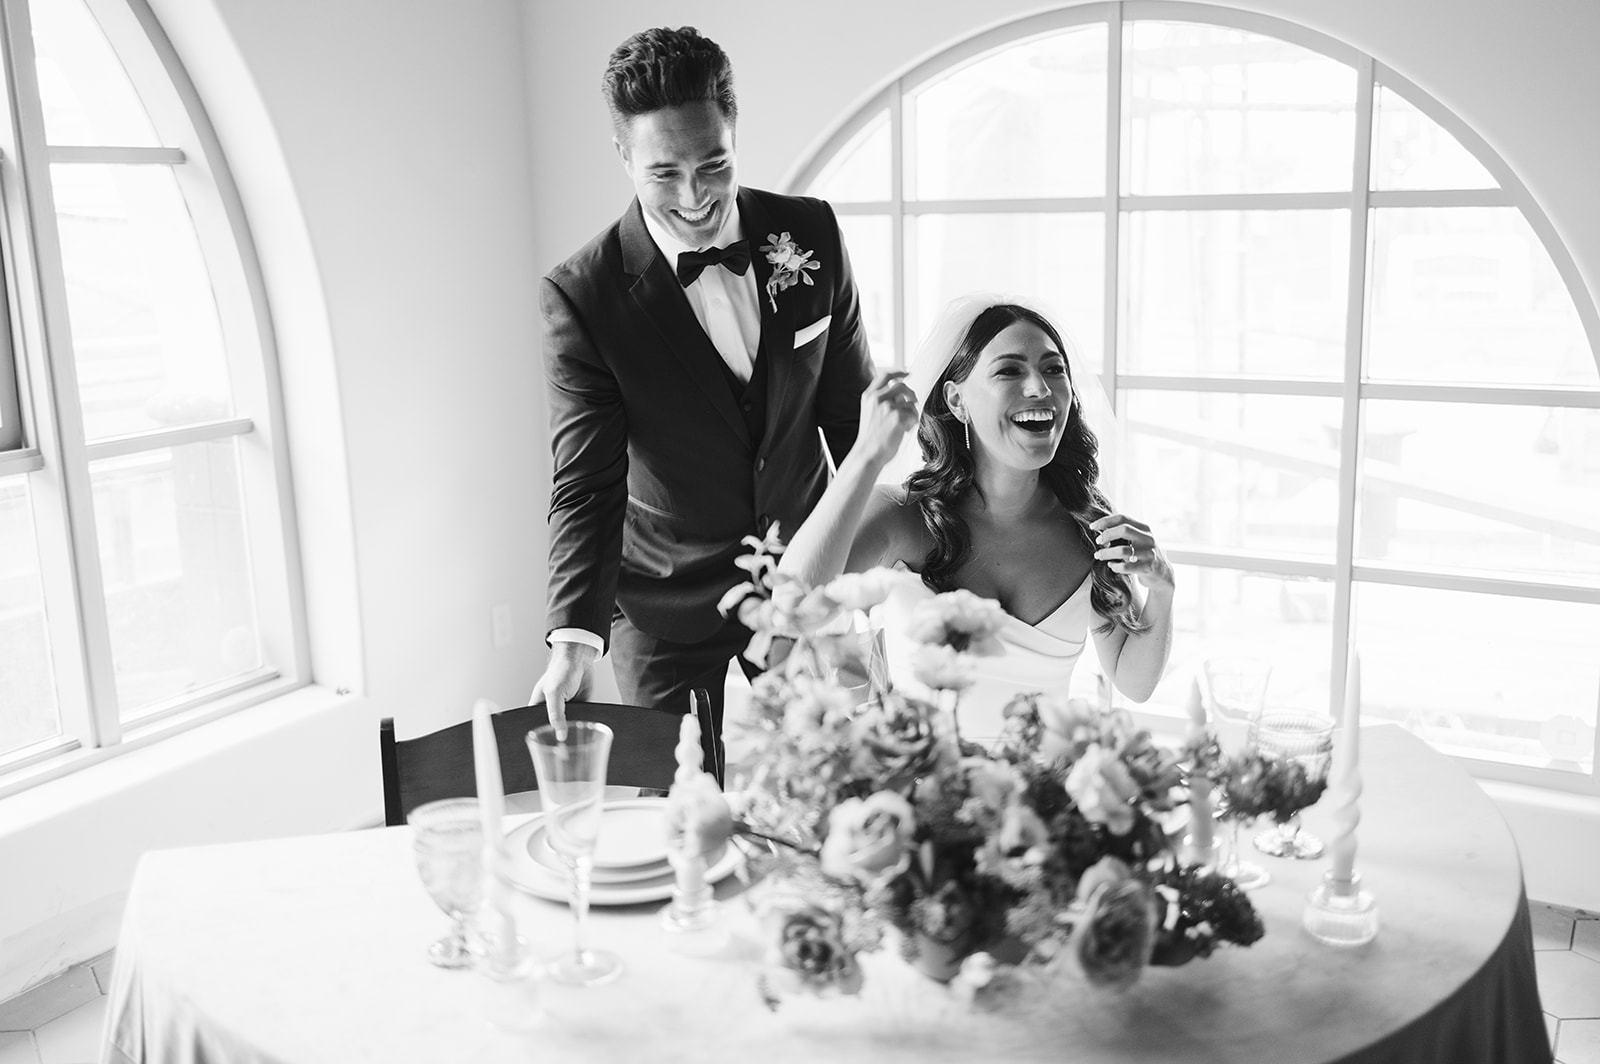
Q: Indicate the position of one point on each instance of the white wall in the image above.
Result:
(381, 148)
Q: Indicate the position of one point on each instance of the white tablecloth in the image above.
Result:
(307, 950)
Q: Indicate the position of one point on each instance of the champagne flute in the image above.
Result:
(447, 838)
(572, 781)
(1236, 688)
(1306, 738)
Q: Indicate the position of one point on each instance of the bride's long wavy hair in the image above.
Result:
(948, 473)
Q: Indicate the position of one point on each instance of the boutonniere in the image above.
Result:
(789, 265)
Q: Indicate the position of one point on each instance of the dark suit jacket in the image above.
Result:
(657, 477)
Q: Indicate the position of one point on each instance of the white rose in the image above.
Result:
(1102, 787)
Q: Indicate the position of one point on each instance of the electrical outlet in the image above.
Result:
(500, 619)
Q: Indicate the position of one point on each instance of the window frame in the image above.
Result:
(897, 98)
(53, 452)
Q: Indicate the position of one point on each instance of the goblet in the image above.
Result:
(448, 841)
(571, 772)
(1305, 738)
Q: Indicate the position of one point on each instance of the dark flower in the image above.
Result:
(805, 950)
(1113, 939)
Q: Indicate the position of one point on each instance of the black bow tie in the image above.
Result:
(735, 257)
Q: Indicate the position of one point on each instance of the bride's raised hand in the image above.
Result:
(888, 412)
(1130, 547)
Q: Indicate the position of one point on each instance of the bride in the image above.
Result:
(1004, 504)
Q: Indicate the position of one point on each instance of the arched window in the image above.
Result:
(1354, 366)
(146, 563)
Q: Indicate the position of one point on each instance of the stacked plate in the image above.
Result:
(630, 857)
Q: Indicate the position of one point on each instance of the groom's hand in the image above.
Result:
(563, 678)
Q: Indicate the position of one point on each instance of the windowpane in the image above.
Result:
(28, 709)
(1220, 293)
(144, 322)
(1283, 620)
(1209, 109)
(1502, 490)
(1469, 295)
(1054, 261)
(1529, 697)
(869, 239)
(860, 171)
(86, 94)
(177, 574)
(1411, 150)
(1026, 121)
(1253, 473)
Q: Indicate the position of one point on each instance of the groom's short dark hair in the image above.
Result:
(663, 68)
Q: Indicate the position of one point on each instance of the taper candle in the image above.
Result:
(486, 768)
(1346, 781)
(687, 751)
(1200, 828)
(689, 866)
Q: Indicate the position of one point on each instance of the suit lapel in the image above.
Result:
(777, 326)
(656, 292)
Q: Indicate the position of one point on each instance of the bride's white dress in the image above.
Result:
(1038, 657)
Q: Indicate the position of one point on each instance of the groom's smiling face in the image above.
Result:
(681, 162)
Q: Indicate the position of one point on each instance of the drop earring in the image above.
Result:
(966, 427)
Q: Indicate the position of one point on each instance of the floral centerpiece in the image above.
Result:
(877, 822)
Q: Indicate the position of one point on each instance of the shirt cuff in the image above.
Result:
(577, 635)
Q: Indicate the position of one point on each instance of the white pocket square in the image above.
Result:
(812, 331)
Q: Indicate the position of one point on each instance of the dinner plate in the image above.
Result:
(538, 846)
(534, 877)
(633, 833)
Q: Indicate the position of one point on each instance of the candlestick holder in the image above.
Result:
(693, 908)
(694, 917)
(1339, 913)
(503, 958)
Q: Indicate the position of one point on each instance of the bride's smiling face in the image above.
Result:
(1016, 398)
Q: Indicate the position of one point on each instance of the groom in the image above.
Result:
(692, 351)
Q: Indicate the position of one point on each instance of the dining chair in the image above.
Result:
(439, 764)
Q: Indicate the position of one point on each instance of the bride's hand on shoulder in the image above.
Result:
(888, 412)
(1129, 546)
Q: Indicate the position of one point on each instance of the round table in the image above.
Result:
(311, 949)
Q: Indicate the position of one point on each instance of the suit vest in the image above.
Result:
(751, 397)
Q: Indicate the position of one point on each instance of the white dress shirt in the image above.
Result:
(728, 308)
(725, 304)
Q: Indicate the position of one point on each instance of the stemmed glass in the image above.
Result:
(1306, 738)
(571, 771)
(448, 841)
(1236, 689)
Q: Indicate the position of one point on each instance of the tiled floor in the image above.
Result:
(60, 1023)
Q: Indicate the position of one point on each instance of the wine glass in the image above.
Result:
(447, 837)
(1305, 738)
(571, 771)
(1236, 690)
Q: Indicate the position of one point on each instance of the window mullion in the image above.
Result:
(80, 636)
(897, 226)
(1112, 234)
(1350, 427)
(903, 178)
